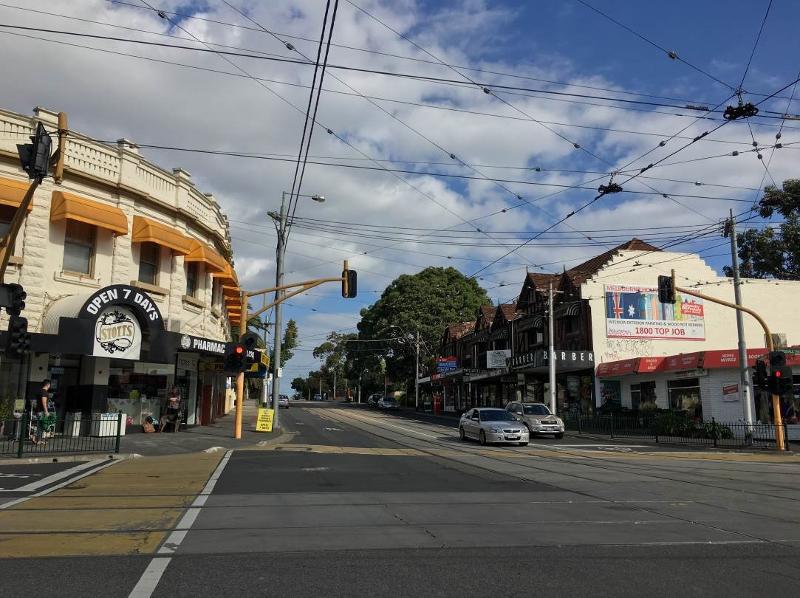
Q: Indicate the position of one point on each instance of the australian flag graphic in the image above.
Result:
(627, 306)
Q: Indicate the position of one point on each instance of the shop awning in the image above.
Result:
(227, 276)
(12, 192)
(201, 252)
(150, 231)
(68, 206)
(683, 361)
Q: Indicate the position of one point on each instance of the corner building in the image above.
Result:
(130, 282)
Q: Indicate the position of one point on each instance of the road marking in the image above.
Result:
(61, 485)
(52, 478)
(147, 583)
(334, 429)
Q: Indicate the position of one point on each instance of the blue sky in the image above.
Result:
(214, 106)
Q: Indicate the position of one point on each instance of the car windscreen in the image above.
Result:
(496, 416)
(536, 409)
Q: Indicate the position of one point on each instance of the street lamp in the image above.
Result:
(283, 230)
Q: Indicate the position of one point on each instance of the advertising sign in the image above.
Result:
(635, 312)
(117, 334)
(264, 420)
(445, 365)
(730, 392)
(497, 359)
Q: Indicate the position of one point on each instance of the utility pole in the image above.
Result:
(334, 384)
(276, 351)
(551, 357)
(744, 372)
(416, 377)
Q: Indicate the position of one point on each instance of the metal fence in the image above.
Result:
(676, 428)
(77, 433)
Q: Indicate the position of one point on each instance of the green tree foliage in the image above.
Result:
(300, 385)
(336, 355)
(773, 252)
(288, 343)
(427, 301)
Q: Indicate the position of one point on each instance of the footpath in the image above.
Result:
(125, 505)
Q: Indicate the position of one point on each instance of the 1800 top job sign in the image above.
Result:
(635, 312)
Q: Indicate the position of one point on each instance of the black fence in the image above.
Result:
(28, 435)
(677, 428)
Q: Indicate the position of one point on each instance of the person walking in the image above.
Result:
(38, 409)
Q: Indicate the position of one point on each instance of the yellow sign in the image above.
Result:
(264, 362)
(264, 420)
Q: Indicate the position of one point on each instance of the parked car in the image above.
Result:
(283, 401)
(537, 417)
(317, 397)
(492, 425)
(388, 403)
(373, 399)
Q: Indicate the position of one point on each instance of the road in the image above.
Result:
(352, 502)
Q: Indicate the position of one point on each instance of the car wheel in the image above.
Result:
(523, 444)
(483, 437)
(560, 436)
(461, 434)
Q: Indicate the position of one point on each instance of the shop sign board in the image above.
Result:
(117, 334)
(497, 359)
(264, 419)
(445, 365)
(635, 312)
(730, 392)
(121, 294)
(202, 345)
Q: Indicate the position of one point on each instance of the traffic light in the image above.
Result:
(35, 157)
(235, 358)
(12, 297)
(760, 375)
(349, 283)
(780, 380)
(19, 341)
(666, 289)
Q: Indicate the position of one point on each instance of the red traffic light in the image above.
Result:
(239, 349)
(777, 373)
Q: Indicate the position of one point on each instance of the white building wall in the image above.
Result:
(777, 303)
(116, 176)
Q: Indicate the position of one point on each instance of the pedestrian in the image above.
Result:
(39, 408)
(173, 411)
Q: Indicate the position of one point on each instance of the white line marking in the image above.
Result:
(55, 477)
(58, 486)
(147, 583)
(149, 580)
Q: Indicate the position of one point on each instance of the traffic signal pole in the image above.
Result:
(780, 443)
(280, 297)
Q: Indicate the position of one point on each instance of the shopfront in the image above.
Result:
(109, 351)
(574, 379)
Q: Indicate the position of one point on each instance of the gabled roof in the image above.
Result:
(582, 272)
(456, 331)
(541, 280)
(505, 312)
(485, 316)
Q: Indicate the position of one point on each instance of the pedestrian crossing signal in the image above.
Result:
(349, 283)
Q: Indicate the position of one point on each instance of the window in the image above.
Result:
(79, 247)
(643, 395)
(191, 279)
(496, 415)
(6, 216)
(537, 409)
(149, 258)
(216, 293)
(684, 395)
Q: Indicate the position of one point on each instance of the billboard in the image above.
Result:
(497, 359)
(635, 312)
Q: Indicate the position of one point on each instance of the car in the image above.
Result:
(283, 401)
(388, 403)
(490, 425)
(317, 397)
(373, 399)
(537, 417)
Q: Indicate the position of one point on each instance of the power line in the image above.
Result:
(755, 45)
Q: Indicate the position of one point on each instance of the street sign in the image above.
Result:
(264, 419)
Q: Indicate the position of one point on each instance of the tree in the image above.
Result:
(771, 253)
(426, 302)
(300, 385)
(288, 343)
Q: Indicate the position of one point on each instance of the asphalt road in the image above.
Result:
(361, 503)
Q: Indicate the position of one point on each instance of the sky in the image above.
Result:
(577, 78)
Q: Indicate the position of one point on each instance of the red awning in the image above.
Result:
(649, 364)
(684, 361)
(612, 369)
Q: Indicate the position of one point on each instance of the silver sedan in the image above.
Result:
(537, 417)
(492, 425)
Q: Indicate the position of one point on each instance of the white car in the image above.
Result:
(538, 418)
(492, 425)
(388, 403)
(283, 401)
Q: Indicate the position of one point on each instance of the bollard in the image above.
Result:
(119, 431)
(612, 424)
(23, 426)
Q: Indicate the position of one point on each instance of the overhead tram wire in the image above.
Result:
(451, 154)
(755, 45)
(189, 16)
(302, 154)
(266, 56)
(328, 130)
(669, 53)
